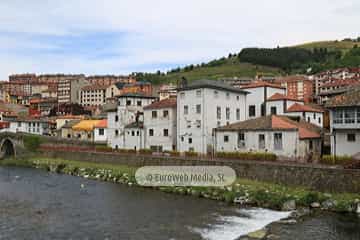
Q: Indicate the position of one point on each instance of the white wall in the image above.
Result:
(98, 137)
(290, 142)
(38, 128)
(343, 146)
(202, 134)
(158, 125)
(134, 139)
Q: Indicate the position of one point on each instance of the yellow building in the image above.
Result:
(84, 130)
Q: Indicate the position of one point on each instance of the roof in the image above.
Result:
(94, 87)
(345, 82)
(101, 124)
(213, 85)
(85, 125)
(276, 123)
(135, 125)
(135, 95)
(119, 85)
(70, 123)
(349, 99)
(279, 96)
(258, 84)
(296, 107)
(165, 103)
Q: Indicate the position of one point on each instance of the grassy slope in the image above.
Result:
(232, 68)
(331, 45)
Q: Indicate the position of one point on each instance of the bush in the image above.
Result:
(247, 156)
(32, 142)
(173, 153)
(133, 151)
(191, 154)
(103, 148)
(338, 160)
(146, 151)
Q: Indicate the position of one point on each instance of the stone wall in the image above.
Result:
(318, 178)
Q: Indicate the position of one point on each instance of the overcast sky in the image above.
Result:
(124, 36)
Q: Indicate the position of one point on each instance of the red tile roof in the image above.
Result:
(166, 103)
(101, 124)
(279, 96)
(258, 84)
(303, 108)
(276, 123)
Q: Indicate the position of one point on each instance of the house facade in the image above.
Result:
(203, 106)
(288, 139)
(128, 110)
(100, 132)
(134, 136)
(259, 92)
(345, 123)
(160, 125)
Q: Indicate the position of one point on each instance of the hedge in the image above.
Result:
(247, 156)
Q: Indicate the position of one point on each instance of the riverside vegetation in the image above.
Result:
(244, 192)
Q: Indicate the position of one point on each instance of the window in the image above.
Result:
(182, 139)
(278, 145)
(351, 137)
(314, 116)
(227, 113)
(338, 117)
(226, 138)
(319, 120)
(238, 114)
(137, 133)
(198, 93)
(151, 132)
(138, 103)
(273, 110)
(216, 94)
(198, 123)
(308, 119)
(358, 115)
(186, 110)
(218, 112)
(101, 132)
(311, 145)
(263, 109)
(68, 136)
(128, 102)
(198, 109)
(241, 140)
(237, 98)
(116, 118)
(349, 116)
(252, 111)
(154, 114)
(190, 140)
(166, 132)
(227, 95)
(165, 113)
(132, 133)
(116, 132)
(182, 95)
(261, 141)
(19, 124)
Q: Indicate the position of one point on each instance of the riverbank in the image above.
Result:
(243, 191)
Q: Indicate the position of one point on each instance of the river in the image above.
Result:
(35, 204)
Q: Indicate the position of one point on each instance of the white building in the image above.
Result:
(134, 137)
(203, 106)
(307, 113)
(256, 101)
(345, 123)
(100, 132)
(30, 125)
(160, 125)
(94, 95)
(128, 110)
(279, 103)
(287, 138)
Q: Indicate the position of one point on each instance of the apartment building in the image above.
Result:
(68, 90)
(298, 87)
(94, 95)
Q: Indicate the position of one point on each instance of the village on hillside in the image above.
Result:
(297, 118)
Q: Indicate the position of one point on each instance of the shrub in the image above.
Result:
(247, 156)
(146, 151)
(191, 154)
(103, 148)
(126, 151)
(173, 153)
(32, 142)
(338, 160)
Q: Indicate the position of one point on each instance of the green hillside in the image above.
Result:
(344, 45)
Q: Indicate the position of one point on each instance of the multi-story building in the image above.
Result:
(298, 87)
(137, 87)
(167, 91)
(68, 90)
(203, 106)
(160, 125)
(129, 109)
(256, 101)
(345, 123)
(107, 80)
(100, 132)
(31, 125)
(94, 95)
(335, 87)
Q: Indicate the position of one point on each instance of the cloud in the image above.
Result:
(113, 36)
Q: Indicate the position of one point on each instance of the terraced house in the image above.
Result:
(345, 123)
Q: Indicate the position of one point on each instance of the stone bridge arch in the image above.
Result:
(7, 148)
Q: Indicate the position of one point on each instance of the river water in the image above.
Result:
(36, 204)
